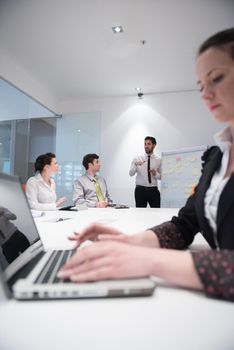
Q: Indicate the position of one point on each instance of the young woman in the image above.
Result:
(209, 210)
(40, 189)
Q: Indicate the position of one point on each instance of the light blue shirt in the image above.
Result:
(84, 190)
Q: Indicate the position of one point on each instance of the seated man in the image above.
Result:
(90, 188)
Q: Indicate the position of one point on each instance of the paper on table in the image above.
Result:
(37, 213)
(55, 235)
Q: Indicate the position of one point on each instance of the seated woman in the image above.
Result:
(40, 189)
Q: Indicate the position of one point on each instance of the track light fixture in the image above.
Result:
(140, 95)
(139, 92)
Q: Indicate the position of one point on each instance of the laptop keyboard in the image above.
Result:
(55, 262)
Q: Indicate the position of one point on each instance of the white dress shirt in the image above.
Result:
(85, 192)
(218, 182)
(142, 172)
(40, 195)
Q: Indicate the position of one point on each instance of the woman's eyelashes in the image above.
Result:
(200, 88)
(217, 79)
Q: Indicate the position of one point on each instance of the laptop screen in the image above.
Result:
(17, 227)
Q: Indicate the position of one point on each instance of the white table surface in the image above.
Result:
(171, 319)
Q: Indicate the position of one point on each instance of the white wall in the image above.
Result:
(177, 120)
(23, 80)
(14, 104)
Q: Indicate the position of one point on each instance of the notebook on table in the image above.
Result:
(29, 272)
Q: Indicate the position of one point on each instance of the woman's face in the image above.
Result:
(215, 76)
(53, 167)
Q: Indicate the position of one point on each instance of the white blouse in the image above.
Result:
(218, 182)
(40, 195)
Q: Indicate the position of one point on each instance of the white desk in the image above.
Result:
(171, 319)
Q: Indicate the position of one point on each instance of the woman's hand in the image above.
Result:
(96, 232)
(60, 201)
(108, 260)
(116, 260)
(99, 232)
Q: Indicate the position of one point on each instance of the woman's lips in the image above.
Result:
(213, 107)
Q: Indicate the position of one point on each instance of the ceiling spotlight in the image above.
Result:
(139, 92)
(117, 29)
(138, 89)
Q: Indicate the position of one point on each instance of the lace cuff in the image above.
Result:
(216, 272)
(169, 236)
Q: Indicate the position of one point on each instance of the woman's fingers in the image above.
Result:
(83, 255)
(102, 273)
(107, 260)
(93, 232)
(87, 267)
(89, 264)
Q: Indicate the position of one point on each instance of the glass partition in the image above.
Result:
(5, 146)
(14, 104)
(76, 135)
(16, 111)
(24, 136)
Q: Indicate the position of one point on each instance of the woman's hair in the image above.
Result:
(42, 160)
(223, 40)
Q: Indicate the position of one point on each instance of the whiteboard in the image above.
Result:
(181, 170)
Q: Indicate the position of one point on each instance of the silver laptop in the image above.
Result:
(29, 272)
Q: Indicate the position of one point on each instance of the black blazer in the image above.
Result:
(191, 218)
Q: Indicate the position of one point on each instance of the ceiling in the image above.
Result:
(69, 47)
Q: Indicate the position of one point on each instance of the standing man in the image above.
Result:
(90, 188)
(148, 170)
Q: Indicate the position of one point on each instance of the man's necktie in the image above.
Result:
(148, 170)
(98, 190)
